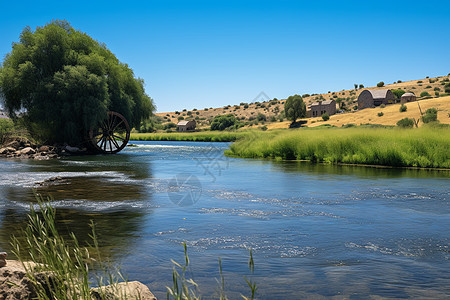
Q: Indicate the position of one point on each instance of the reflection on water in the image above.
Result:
(104, 189)
(316, 230)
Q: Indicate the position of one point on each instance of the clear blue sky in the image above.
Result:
(196, 54)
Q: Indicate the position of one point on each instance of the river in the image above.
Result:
(316, 231)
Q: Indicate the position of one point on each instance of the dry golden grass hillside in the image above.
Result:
(272, 110)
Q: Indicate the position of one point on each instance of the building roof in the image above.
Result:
(408, 95)
(184, 123)
(378, 94)
(327, 102)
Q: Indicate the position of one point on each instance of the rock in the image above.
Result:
(44, 149)
(128, 290)
(27, 151)
(3, 256)
(72, 149)
(7, 150)
(13, 282)
(14, 144)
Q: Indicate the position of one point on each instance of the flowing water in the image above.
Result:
(316, 231)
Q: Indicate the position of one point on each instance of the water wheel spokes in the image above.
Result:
(112, 136)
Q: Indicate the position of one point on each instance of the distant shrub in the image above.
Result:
(177, 112)
(325, 116)
(273, 119)
(361, 86)
(197, 113)
(180, 118)
(380, 84)
(420, 81)
(436, 94)
(398, 93)
(403, 108)
(205, 109)
(432, 80)
(383, 105)
(189, 113)
(261, 117)
(437, 89)
(430, 115)
(224, 122)
(447, 88)
(348, 125)
(185, 109)
(428, 87)
(406, 123)
(306, 95)
(424, 94)
(380, 114)
(246, 105)
(399, 81)
(264, 128)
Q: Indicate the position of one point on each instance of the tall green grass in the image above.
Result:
(423, 147)
(205, 136)
(60, 268)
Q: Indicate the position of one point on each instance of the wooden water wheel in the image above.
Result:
(112, 136)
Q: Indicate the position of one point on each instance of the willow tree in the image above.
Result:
(62, 83)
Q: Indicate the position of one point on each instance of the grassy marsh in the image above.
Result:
(423, 147)
(202, 136)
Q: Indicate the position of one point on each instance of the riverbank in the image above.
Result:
(202, 136)
(423, 147)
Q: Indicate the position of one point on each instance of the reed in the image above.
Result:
(60, 268)
(424, 147)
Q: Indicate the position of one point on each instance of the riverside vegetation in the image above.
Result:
(425, 147)
(59, 268)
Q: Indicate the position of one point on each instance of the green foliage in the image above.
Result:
(398, 93)
(406, 123)
(325, 116)
(380, 84)
(261, 117)
(361, 86)
(63, 267)
(66, 81)
(383, 105)
(380, 114)
(223, 122)
(424, 94)
(6, 128)
(403, 108)
(430, 115)
(422, 147)
(447, 88)
(294, 108)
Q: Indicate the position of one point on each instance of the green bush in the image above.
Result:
(436, 89)
(403, 108)
(325, 116)
(383, 105)
(430, 115)
(398, 93)
(380, 114)
(424, 94)
(406, 123)
(261, 117)
(180, 118)
(223, 122)
(380, 84)
(447, 88)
